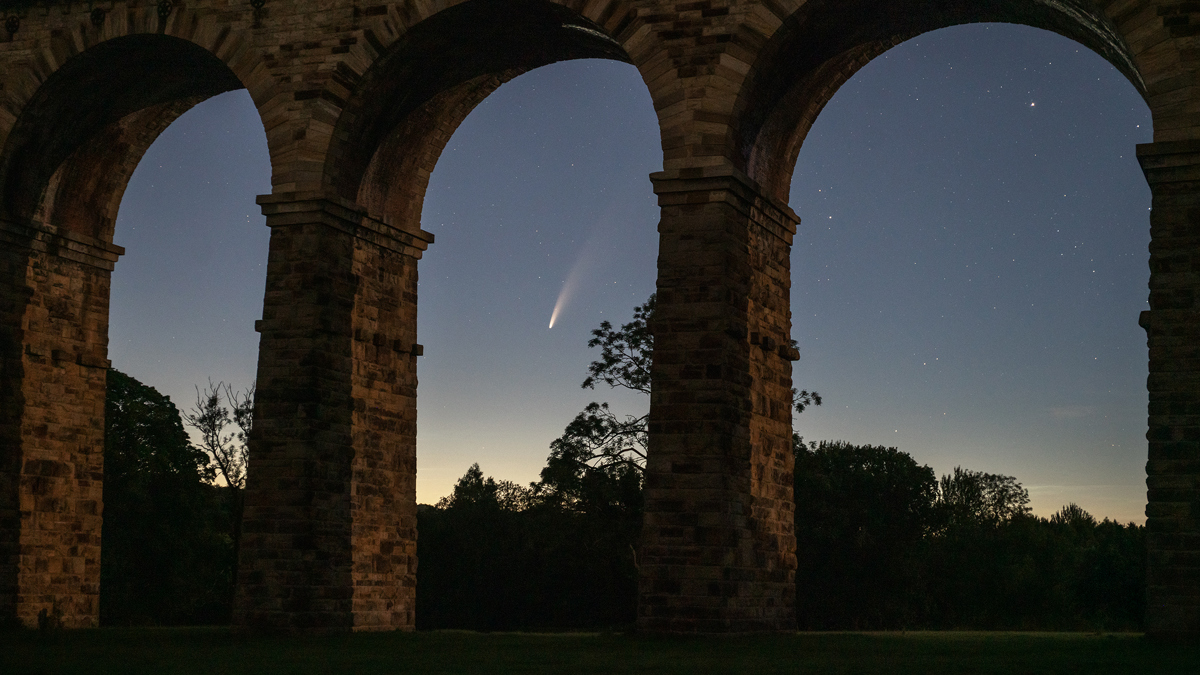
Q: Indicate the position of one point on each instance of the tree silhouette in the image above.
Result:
(167, 555)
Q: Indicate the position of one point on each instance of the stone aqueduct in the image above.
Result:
(358, 98)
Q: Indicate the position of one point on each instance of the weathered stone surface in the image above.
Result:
(54, 482)
(357, 101)
(1173, 336)
(718, 550)
(329, 536)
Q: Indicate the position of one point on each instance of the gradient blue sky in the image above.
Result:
(966, 278)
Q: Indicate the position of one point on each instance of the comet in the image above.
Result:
(564, 295)
(592, 253)
(572, 282)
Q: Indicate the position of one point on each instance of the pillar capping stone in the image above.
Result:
(305, 208)
(1170, 161)
(57, 241)
(704, 185)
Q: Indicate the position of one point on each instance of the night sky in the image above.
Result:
(966, 279)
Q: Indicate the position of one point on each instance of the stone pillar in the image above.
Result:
(55, 343)
(1173, 336)
(329, 534)
(718, 550)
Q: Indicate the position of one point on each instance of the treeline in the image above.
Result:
(881, 542)
(494, 555)
(499, 556)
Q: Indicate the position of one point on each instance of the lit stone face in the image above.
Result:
(357, 101)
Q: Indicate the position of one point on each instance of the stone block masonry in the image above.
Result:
(357, 101)
(1173, 336)
(330, 527)
(53, 483)
(718, 551)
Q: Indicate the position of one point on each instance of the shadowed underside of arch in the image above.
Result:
(824, 43)
(64, 165)
(407, 105)
(92, 119)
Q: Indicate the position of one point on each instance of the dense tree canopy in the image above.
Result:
(498, 556)
(166, 555)
(972, 498)
(882, 544)
(861, 515)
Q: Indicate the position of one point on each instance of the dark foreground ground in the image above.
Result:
(217, 650)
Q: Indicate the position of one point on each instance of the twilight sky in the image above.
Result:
(966, 278)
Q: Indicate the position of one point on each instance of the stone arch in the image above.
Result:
(357, 101)
(798, 66)
(731, 138)
(68, 157)
(345, 245)
(823, 43)
(85, 96)
(406, 105)
(92, 100)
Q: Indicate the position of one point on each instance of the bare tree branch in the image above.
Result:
(227, 450)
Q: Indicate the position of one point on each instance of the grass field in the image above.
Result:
(217, 650)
